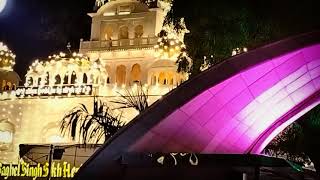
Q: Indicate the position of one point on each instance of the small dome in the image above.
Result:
(7, 58)
(10, 76)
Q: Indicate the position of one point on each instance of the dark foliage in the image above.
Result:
(218, 27)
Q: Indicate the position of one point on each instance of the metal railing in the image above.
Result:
(119, 44)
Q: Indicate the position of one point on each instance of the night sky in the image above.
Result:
(38, 28)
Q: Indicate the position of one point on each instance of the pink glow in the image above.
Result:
(243, 113)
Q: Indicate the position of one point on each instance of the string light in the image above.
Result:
(7, 58)
(237, 51)
(169, 47)
(61, 64)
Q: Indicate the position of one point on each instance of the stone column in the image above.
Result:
(128, 75)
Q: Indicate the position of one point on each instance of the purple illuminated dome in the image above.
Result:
(236, 107)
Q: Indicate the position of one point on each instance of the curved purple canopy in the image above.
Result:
(236, 107)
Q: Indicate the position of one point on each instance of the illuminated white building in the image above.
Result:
(123, 36)
(123, 52)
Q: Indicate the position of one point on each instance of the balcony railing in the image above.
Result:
(119, 44)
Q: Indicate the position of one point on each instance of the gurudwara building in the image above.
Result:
(123, 52)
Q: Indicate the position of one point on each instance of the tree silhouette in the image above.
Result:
(91, 127)
(136, 98)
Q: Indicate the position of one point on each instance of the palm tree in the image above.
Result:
(90, 128)
(136, 98)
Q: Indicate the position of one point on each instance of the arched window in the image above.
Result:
(30, 81)
(154, 80)
(123, 32)
(57, 79)
(108, 32)
(85, 79)
(6, 88)
(39, 81)
(136, 73)
(162, 78)
(14, 87)
(108, 70)
(9, 84)
(121, 75)
(138, 31)
(170, 78)
(171, 81)
(73, 77)
(47, 79)
(65, 79)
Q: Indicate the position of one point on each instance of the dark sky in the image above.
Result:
(38, 28)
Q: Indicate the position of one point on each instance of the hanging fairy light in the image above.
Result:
(7, 58)
(169, 46)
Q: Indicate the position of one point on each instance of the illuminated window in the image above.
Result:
(162, 78)
(108, 32)
(154, 80)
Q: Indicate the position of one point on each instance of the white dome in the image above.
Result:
(113, 6)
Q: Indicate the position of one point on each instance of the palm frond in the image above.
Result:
(134, 98)
(91, 128)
